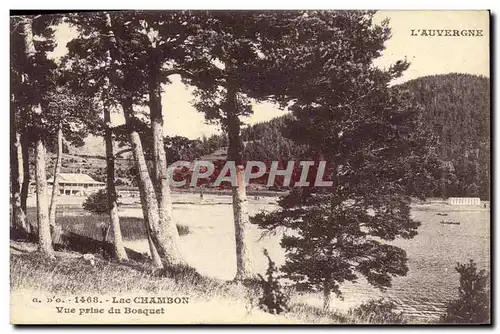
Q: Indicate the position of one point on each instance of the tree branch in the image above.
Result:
(117, 154)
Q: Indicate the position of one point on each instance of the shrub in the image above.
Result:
(274, 299)
(97, 202)
(183, 230)
(132, 228)
(473, 304)
(377, 312)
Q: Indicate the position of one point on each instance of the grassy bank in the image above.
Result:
(69, 274)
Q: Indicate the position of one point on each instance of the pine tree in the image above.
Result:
(18, 145)
(221, 75)
(33, 39)
(473, 303)
(376, 152)
(229, 72)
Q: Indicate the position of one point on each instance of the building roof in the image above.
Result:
(217, 155)
(75, 178)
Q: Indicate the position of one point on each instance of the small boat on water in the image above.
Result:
(450, 223)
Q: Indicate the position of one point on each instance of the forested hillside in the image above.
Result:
(457, 108)
(269, 141)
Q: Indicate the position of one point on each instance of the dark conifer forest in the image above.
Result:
(457, 108)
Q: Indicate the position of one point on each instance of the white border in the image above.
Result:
(191, 4)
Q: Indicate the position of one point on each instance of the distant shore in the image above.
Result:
(193, 196)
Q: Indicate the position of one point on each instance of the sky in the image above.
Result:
(427, 55)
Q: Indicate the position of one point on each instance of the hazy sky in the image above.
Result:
(427, 55)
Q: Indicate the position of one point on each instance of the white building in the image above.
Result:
(73, 184)
(464, 201)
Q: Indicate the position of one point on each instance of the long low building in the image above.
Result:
(464, 201)
(74, 184)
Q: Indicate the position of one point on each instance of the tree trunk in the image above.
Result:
(18, 222)
(30, 50)
(327, 295)
(241, 224)
(114, 220)
(155, 257)
(148, 198)
(44, 238)
(148, 202)
(56, 230)
(167, 227)
(240, 202)
(26, 171)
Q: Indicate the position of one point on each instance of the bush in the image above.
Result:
(97, 202)
(183, 230)
(132, 228)
(377, 312)
(274, 299)
(473, 303)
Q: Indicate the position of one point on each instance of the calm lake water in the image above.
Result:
(433, 253)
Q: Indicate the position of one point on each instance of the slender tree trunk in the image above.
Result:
(44, 238)
(18, 222)
(114, 220)
(240, 202)
(26, 171)
(56, 229)
(155, 257)
(167, 227)
(30, 50)
(241, 224)
(327, 295)
(148, 197)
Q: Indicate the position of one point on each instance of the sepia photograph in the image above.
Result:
(208, 167)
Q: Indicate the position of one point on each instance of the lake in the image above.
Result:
(421, 295)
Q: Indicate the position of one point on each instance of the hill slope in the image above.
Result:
(457, 108)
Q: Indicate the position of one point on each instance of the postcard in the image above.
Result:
(250, 167)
